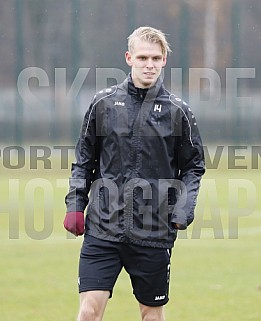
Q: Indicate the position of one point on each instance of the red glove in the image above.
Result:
(74, 223)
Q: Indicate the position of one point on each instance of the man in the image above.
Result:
(139, 159)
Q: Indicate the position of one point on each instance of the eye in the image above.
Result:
(157, 58)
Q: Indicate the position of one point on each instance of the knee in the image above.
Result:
(152, 313)
(87, 313)
(92, 305)
(151, 318)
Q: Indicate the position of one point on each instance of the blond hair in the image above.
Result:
(149, 34)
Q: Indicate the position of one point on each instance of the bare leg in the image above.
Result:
(152, 313)
(92, 305)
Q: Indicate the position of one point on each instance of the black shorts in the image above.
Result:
(149, 269)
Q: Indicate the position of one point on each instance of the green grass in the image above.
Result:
(214, 277)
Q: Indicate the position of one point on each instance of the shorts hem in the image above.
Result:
(152, 304)
(96, 289)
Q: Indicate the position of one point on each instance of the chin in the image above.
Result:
(149, 82)
(149, 79)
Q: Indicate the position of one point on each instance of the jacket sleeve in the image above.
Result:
(191, 165)
(82, 171)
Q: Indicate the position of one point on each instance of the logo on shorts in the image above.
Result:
(159, 297)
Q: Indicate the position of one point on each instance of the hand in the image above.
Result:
(178, 226)
(74, 223)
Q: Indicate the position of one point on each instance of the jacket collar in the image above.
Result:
(146, 93)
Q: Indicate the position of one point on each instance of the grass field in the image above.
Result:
(216, 265)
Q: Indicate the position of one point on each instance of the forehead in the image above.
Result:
(147, 48)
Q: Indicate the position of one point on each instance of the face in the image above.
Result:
(146, 61)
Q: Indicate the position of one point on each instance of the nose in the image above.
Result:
(149, 64)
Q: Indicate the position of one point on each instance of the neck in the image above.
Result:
(138, 84)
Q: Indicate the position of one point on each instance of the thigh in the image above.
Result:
(149, 270)
(99, 265)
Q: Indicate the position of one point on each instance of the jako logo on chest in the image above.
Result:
(119, 103)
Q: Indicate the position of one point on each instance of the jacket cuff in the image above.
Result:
(74, 208)
(184, 222)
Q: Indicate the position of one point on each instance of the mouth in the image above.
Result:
(150, 74)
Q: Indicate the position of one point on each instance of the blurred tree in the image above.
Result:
(70, 34)
(235, 33)
(19, 66)
(184, 42)
(76, 59)
(131, 16)
(210, 41)
(37, 15)
(75, 37)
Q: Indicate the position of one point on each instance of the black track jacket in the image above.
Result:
(139, 161)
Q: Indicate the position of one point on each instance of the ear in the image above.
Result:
(164, 61)
(128, 58)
